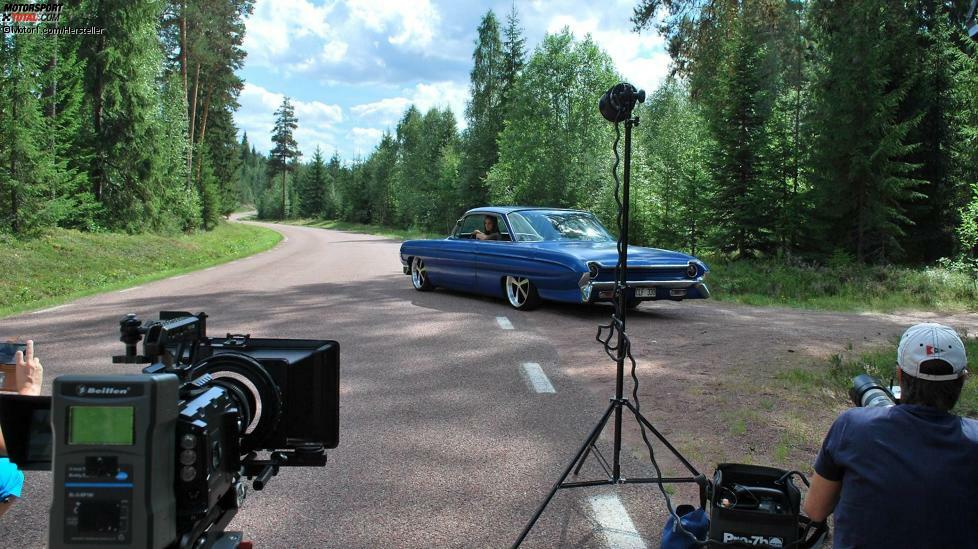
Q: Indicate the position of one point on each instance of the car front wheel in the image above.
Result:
(521, 293)
(419, 276)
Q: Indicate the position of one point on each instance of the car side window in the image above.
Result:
(469, 224)
(476, 222)
(524, 229)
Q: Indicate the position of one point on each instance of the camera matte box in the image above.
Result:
(307, 372)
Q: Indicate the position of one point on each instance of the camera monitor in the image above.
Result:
(26, 424)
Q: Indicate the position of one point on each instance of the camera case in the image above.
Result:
(753, 505)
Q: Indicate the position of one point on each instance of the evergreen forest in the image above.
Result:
(824, 131)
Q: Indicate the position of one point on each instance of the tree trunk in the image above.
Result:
(14, 206)
(283, 193)
(183, 45)
(98, 180)
(193, 120)
(203, 129)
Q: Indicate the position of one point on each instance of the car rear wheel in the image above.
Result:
(521, 293)
(419, 276)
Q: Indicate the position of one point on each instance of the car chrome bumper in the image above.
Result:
(591, 289)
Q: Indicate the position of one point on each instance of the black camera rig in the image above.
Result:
(159, 459)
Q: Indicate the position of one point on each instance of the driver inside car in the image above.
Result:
(492, 229)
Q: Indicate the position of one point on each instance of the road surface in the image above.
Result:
(450, 434)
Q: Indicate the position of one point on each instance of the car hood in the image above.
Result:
(606, 253)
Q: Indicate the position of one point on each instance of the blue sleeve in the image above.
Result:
(11, 479)
(826, 464)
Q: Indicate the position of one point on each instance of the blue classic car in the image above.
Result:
(546, 253)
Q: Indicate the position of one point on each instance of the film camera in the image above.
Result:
(159, 459)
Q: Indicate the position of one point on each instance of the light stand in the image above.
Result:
(616, 106)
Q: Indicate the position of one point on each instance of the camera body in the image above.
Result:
(159, 459)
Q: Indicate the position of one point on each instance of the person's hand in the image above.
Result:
(478, 234)
(30, 373)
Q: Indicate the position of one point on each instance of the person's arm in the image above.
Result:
(29, 375)
(822, 497)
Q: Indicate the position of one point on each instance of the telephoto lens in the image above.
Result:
(867, 391)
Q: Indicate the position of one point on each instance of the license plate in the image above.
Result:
(644, 292)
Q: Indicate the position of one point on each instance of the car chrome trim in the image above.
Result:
(646, 267)
(608, 285)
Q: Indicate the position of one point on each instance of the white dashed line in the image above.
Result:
(210, 268)
(504, 323)
(129, 289)
(537, 378)
(48, 310)
(616, 526)
(178, 277)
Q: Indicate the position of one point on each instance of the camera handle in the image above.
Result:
(262, 470)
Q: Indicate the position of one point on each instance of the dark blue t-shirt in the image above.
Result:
(909, 478)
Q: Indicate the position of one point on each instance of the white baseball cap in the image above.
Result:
(930, 341)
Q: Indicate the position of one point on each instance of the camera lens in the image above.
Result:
(867, 392)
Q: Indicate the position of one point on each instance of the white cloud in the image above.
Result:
(275, 25)
(317, 120)
(386, 112)
(364, 140)
(410, 24)
(640, 58)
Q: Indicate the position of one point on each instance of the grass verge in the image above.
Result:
(836, 380)
(847, 287)
(63, 265)
(379, 230)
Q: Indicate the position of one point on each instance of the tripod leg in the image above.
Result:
(649, 426)
(590, 444)
(560, 481)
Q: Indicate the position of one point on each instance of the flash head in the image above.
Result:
(617, 103)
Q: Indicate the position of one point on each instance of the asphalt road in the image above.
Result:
(444, 441)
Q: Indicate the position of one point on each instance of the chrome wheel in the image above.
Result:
(419, 275)
(521, 293)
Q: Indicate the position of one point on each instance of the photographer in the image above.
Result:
(30, 373)
(906, 475)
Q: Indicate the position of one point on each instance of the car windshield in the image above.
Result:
(536, 226)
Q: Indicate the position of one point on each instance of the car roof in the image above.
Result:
(510, 209)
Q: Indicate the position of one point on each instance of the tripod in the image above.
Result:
(616, 106)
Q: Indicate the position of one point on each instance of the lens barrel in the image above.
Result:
(867, 392)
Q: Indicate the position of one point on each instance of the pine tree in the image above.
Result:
(312, 187)
(671, 210)
(863, 180)
(123, 96)
(383, 163)
(738, 112)
(286, 149)
(514, 52)
(24, 168)
(484, 112)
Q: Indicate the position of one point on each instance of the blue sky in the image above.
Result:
(353, 66)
